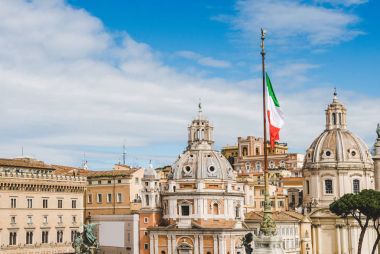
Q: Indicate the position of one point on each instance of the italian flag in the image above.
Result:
(275, 115)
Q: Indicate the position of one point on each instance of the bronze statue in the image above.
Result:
(86, 242)
(378, 130)
(247, 240)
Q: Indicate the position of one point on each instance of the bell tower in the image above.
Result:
(200, 133)
(336, 114)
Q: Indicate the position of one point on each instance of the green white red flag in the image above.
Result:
(275, 115)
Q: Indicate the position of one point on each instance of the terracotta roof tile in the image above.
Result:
(24, 163)
(277, 216)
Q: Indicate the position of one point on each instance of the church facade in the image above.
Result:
(336, 163)
(201, 201)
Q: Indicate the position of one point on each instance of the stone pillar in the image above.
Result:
(221, 245)
(156, 244)
(196, 247)
(338, 242)
(314, 235)
(319, 239)
(215, 244)
(376, 160)
(232, 244)
(201, 244)
(174, 244)
(151, 244)
(169, 244)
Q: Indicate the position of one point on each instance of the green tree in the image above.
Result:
(363, 207)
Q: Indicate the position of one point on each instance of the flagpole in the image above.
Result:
(267, 226)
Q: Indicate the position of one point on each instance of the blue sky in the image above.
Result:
(83, 76)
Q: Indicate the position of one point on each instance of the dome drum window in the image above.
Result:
(187, 171)
(352, 153)
(211, 171)
(327, 154)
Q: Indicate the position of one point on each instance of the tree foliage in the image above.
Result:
(363, 207)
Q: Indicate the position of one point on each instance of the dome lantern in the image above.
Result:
(336, 114)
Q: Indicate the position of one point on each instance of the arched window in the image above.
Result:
(245, 151)
(163, 252)
(328, 186)
(356, 186)
(215, 209)
(258, 166)
(257, 151)
(334, 118)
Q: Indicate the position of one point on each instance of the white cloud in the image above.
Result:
(67, 88)
(343, 2)
(204, 60)
(301, 22)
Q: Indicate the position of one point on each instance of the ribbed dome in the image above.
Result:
(338, 148)
(202, 164)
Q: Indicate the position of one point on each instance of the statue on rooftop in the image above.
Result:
(378, 130)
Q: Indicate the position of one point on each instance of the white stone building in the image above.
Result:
(336, 163)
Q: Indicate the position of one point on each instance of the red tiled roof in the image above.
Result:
(24, 163)
(277, 216)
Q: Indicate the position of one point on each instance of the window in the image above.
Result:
(328, 186)
(45, 221)
(13, 202)
(118, 181)
(258, 166)
(147, 199)
(119, 197)
(59, 236)
(215, 209)
(29, 237)
(109, 182)
(74, 219)
(307, 187)
(271, 164)
(30, 202)
(129, 237)
(13, 219)
(146, 219)
(73, 235)
(73, 203)
(146, 233)
(60, 219)
(247, 167)
(99, 198)
(185, 210)
(136, 180)
(45, 203)
(257, 151)
(109, 198)
(146, 246)
(334, 118)
(356, 185)
(262, 204)
(281, 203)
(60, 203)
(45, 236)
(99, 182)
(146, 183)
(12, 238)
(89, 198)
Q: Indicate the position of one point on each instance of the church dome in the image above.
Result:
(202, 164)
(337, 146)
(200, 161)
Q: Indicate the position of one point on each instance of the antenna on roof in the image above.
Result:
(85, 166)
(124, 153)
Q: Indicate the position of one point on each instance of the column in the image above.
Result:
(216, 245)
(221, 245)
(151, 244)
(156, 244)
(319, 233)
(232, 244)
(169, 244)
(201, 244)
(196, 247)
(338, 242)
(174, 244)
(314, 235)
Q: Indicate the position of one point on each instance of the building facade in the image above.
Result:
(337, 162)
(201, 201)
(112, 201)
(40, 210)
